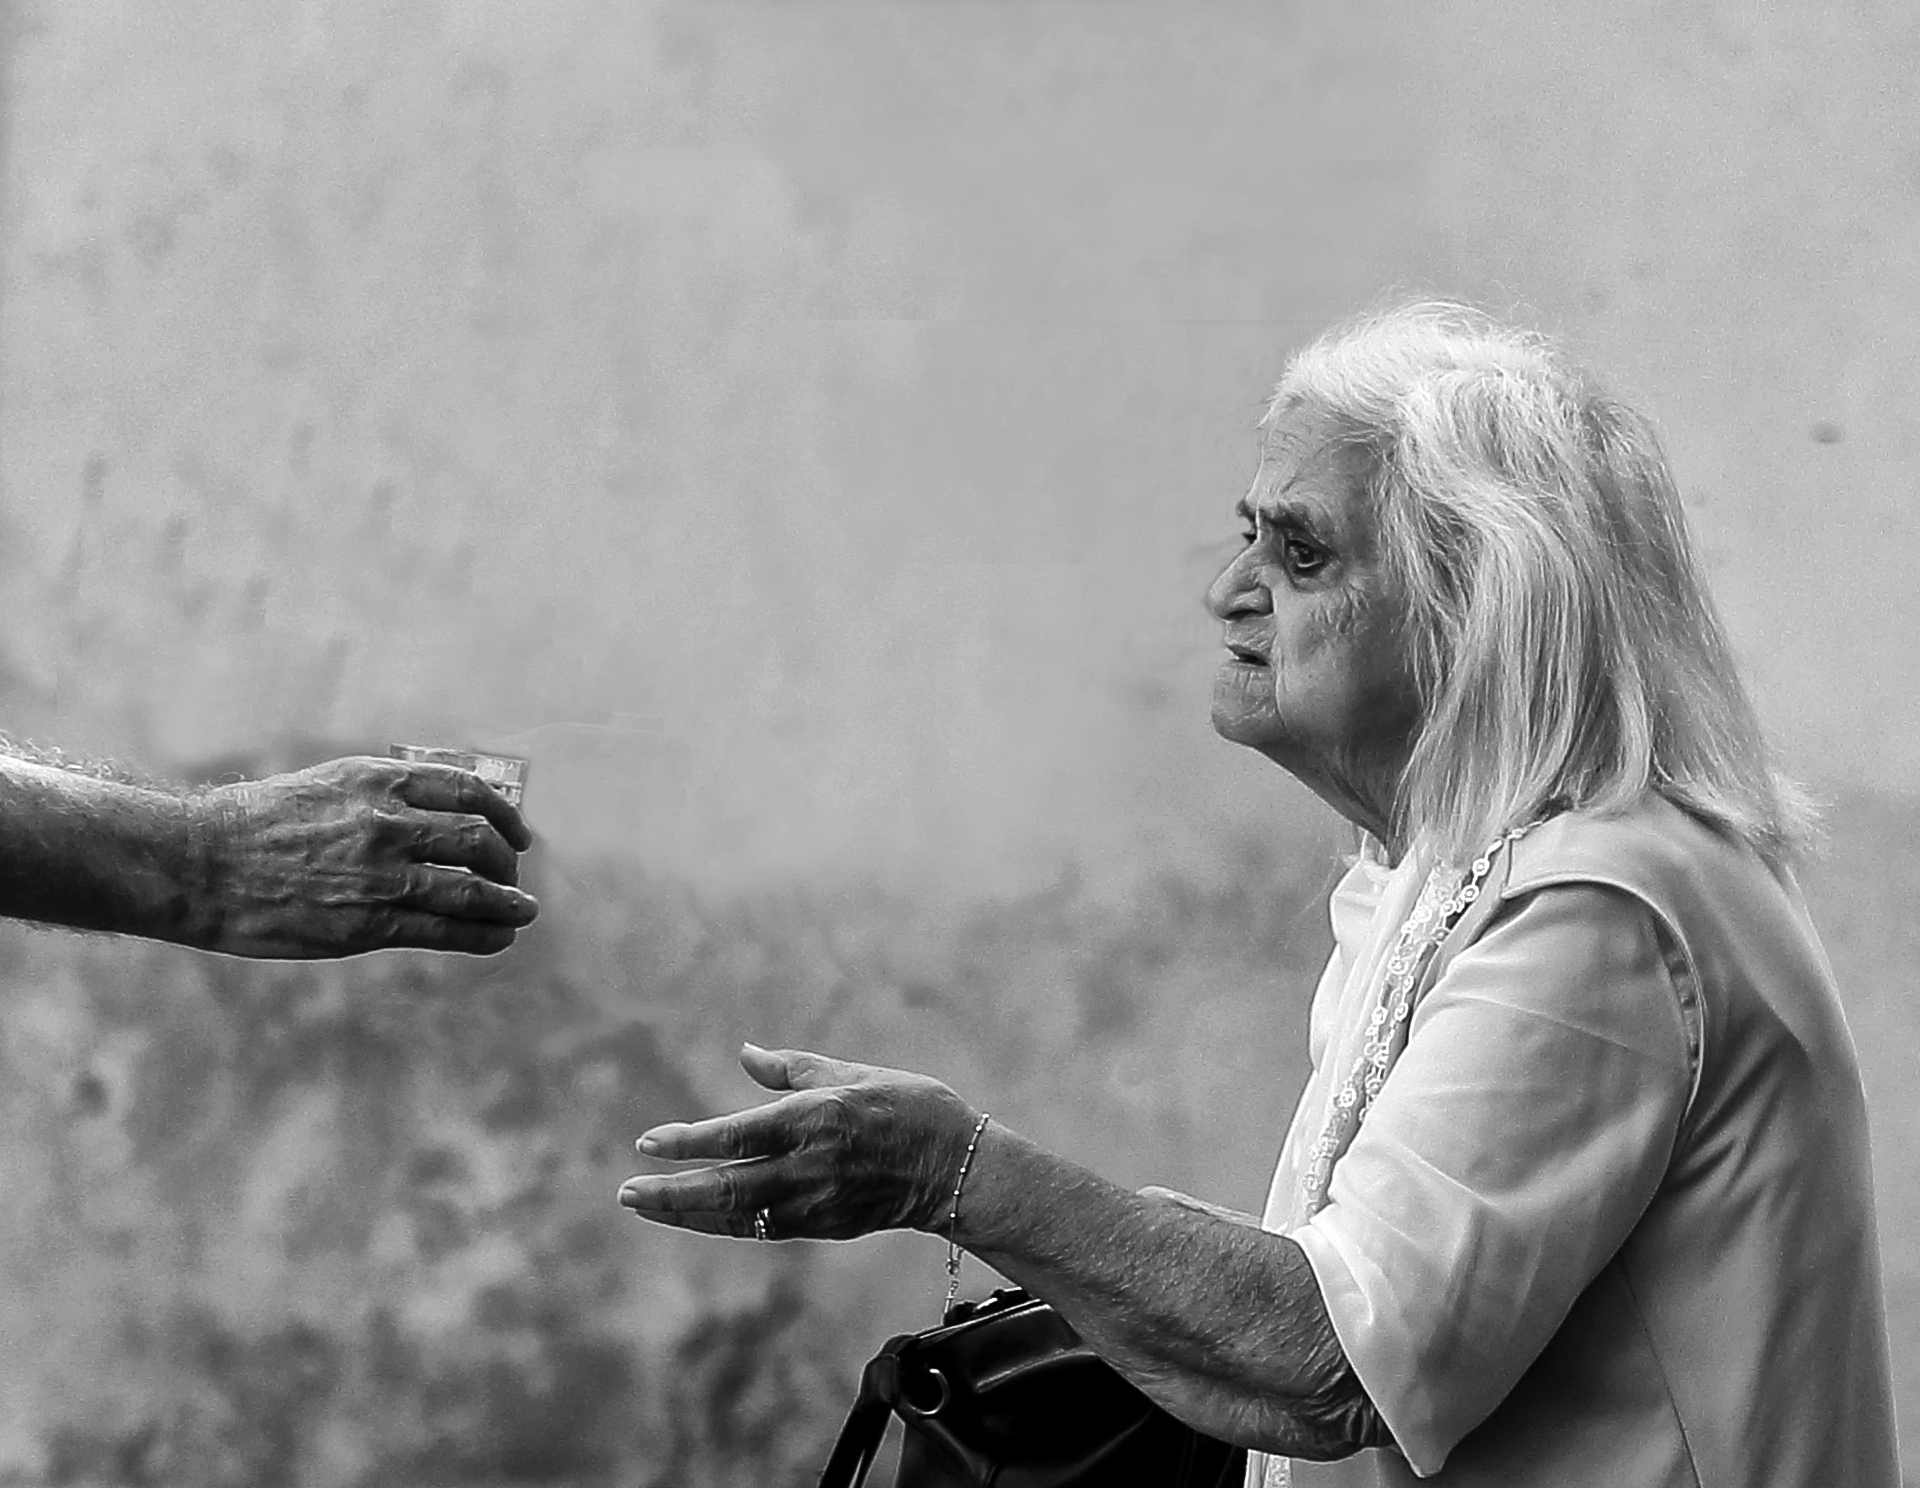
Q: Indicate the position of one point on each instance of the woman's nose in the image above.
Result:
(1238, 591)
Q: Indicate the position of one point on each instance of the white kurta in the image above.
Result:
(1626, 1112)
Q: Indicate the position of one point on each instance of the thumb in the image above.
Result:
(796, 1069)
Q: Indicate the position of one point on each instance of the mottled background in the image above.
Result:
(805, 430)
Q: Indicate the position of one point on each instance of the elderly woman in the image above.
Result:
(1578, 1190)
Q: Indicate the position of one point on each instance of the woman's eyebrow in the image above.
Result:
(1304, 515)
(1298, 514)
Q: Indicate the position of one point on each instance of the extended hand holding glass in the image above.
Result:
(362, 854)
(357, 854)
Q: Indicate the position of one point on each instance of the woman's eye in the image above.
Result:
(1304, 558)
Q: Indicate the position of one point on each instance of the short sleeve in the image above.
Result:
(1515, 1144)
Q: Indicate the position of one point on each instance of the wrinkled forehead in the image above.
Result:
(1310, 466)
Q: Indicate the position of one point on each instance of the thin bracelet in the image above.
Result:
(953, 1215)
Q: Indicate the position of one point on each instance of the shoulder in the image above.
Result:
(1692, 877)
(1574, 929)
(1695, 878)
(1703, 894)
(1652, 850)
(1730, 926)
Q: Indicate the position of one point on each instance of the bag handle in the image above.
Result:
(866, 1425)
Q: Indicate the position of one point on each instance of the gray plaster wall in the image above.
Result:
(805, 430)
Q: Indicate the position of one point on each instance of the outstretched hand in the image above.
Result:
(361, 854)
(848, 1150)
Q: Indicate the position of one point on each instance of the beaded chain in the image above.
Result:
(953, 1215)
(1443, 899)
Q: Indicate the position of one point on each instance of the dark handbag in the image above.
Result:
(1004, 1394)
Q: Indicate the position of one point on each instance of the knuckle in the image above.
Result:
(800, 1067)
(387, 829)
(830, 1117)
(401, 886)
(367, 773)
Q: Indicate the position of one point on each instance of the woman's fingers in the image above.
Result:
(849, 1149)
(760, 1199)
(720, 1200)
(797, 1069)
(761, 1131)
(765, 1066)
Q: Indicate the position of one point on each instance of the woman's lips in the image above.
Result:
(1243, 656)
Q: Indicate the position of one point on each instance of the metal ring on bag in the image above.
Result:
(940, 1401)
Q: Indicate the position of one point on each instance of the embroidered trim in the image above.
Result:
(1444, 898)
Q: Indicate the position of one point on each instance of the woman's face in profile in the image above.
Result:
(1312, 675)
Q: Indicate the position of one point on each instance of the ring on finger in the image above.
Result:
(762, 1225)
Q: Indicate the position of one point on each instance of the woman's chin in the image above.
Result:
(1234, 721)
(1242, 697)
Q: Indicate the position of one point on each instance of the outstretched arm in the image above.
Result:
(1527, 1127)
(349, 856)
(1219, 1322)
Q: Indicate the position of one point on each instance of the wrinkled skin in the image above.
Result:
(854, 1149)
(360, 854)
(847, 1150)
(1314, 674)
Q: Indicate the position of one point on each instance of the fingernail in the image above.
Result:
(752, 1048)
(649, 1144)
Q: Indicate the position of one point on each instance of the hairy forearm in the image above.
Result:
(1220, 1323)
(94, 853)
(355, 854)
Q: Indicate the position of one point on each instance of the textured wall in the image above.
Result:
(805, 429)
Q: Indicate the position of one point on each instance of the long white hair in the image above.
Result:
(1565, 648)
